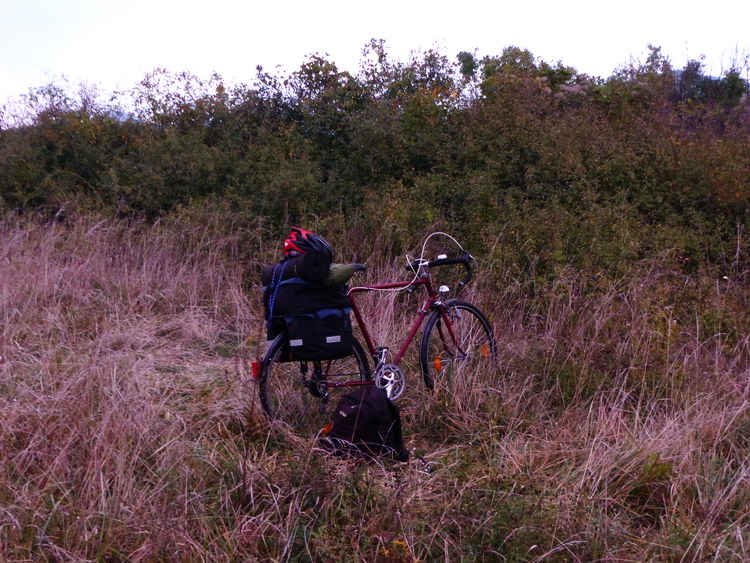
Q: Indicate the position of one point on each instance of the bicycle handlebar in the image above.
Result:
(466, 259)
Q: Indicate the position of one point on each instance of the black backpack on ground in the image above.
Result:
(366, 423)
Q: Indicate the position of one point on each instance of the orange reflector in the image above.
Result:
(438, 363)
(256, 370)
(485, 351)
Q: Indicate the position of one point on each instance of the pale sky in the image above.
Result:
(114, 43)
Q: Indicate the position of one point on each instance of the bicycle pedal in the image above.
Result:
(380, 355)
(323, 408)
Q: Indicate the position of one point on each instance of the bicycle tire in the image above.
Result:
(438, 355)
(286, 399)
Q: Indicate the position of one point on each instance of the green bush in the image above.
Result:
(585, 171)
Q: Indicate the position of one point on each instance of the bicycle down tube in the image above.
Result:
(432, 298)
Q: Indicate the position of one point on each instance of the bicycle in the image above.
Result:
(456, 342)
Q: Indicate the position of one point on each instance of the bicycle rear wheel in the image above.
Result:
(285, 391)
(457, 344)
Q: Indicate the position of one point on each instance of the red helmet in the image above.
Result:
(300, 241)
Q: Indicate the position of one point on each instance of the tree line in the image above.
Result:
(566, 167)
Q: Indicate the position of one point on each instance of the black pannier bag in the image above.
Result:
(324, 334)
(315, 315)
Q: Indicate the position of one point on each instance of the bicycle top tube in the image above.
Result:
(422, 277)
(419, 268)
(391, 285)
(432, 298)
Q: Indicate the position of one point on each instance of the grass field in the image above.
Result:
(616, 425)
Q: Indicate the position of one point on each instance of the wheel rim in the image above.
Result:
(469, 356)
(288, 401)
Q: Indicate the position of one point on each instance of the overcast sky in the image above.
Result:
(114, 43)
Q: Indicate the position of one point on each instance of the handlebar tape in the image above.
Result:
(466, 259)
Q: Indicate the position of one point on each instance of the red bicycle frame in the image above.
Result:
(432, 298)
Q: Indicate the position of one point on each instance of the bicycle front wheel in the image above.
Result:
(457, 344)
(288, 389)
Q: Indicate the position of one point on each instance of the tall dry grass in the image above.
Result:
(616, 425)
(116, 383)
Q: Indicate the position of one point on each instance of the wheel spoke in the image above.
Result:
(289, 391)
(456, 345)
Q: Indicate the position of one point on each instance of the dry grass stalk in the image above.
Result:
(615, 426)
